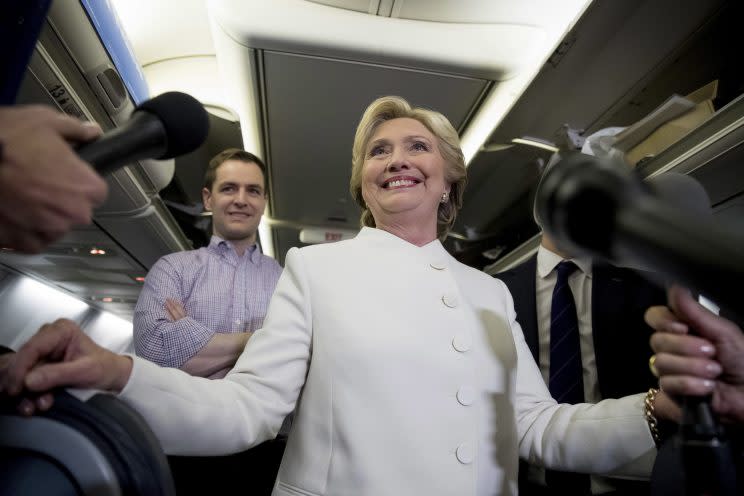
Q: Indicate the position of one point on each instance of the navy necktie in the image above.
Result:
(566, 382)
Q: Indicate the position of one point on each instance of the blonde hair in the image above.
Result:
(394, 107)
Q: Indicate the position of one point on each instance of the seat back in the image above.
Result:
(96, 447)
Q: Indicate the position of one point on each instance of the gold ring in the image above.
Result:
(652, 365)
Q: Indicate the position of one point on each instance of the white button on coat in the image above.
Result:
(461, 342)
(465, 453)
(451, 300)
(466, 395)
(438, 264)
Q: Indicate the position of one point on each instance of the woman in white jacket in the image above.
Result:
(407, 369)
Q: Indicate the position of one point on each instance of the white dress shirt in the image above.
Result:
(580, 283)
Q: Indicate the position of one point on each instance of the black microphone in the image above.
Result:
(590, 206)
(166, 126)
(681, 191)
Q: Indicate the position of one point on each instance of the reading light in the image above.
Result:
(536, 143)
(97, 251)
(311, 235)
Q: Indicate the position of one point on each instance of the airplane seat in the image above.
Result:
(96, 447)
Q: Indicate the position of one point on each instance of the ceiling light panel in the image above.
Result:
(491, 50)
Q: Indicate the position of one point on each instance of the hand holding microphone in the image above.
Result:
(169, 125)
(700, 361)
(46, 187)
(699, 353)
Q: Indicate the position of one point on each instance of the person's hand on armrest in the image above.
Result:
(26, 403)
(60, 354)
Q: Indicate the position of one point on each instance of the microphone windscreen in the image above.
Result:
(184, 120)
(681, 191)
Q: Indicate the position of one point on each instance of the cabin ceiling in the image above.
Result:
(618, 63)
(462, 11)
(301, 86)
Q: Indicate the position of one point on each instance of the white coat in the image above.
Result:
(410, 376)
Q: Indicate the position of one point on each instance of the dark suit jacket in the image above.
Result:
(620, 297)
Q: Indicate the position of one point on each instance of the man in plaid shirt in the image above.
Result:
(198, 308)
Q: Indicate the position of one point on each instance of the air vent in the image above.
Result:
(68, 262)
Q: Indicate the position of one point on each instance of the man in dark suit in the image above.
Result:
(619, 298)
(610, 304)
(612, 336)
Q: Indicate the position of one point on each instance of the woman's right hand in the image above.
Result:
(60, 354)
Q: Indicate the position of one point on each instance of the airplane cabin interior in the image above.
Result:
(288, 80)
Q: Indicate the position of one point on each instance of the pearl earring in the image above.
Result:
(444, 198)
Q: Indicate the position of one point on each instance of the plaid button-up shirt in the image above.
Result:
(220, 291)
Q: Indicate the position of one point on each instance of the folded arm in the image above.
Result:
(157, 337)
(218, 356)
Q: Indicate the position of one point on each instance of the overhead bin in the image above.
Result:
(147, 234)
(713, 154)
(71, 70)
(72, 63)
(282, 25)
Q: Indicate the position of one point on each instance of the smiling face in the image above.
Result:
(403, 175)
(237, 201)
